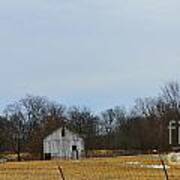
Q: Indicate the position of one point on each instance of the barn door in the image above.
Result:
(75, 153)
(47, 156)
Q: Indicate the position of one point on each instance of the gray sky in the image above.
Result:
(98, 53)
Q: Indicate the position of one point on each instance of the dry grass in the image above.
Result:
(125, 168)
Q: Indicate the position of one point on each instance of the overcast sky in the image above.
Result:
(98, 53)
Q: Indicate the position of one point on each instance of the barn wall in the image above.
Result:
(61, 147)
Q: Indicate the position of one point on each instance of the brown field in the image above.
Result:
(124, 168)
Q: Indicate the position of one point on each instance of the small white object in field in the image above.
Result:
(174, 158)
(3, 160)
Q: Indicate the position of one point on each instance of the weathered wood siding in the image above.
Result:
(61, 147)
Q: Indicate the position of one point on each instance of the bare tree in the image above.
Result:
(17, 128)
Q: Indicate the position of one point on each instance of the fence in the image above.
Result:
(142, 167)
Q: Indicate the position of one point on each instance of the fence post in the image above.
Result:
(61, 172)
(164, 168)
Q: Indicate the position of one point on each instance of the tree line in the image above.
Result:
(25, 123)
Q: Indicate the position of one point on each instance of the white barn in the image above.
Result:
(63, 144)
